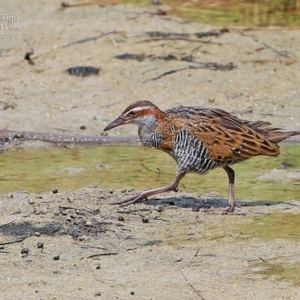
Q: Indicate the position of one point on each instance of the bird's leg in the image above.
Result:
(231, 200)
(139, 197)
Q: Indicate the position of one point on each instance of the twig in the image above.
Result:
(93, 38)
(196, 254)
(191, 285)
(100, 254)
(166, 73)
(262, 259)
(18, 240)
(179, 39)
(92, 247)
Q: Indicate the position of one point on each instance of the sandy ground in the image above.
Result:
(92, 249)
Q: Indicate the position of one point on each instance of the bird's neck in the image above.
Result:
(149, 131)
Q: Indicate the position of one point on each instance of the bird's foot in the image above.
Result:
(134, 199)
(230, 208)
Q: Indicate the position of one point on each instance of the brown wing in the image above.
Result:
(230, 138)
(225, 136)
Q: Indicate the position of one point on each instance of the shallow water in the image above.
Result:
(139, 168)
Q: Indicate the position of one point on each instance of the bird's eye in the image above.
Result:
(132, 113)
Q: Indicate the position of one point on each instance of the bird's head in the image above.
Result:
(142, 113)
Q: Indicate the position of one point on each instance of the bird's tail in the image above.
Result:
(276, 136)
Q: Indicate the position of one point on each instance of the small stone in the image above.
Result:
(130, 190)
(54, 190)
(111, 191)
(97, 294)
(40, 245)
(123, 190)
(68, 219)
(10, 195)
(56, 257)
(121, 218)
(145, 220)
(37, 233)
(89, 223)
(31, 201)
(132, 293)
(159, 208)
(82, 127)
(24, 251)
(93, 186)
(44, 211)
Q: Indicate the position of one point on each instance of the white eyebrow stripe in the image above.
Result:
(136, 109)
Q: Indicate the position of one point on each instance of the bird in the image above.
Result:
(199, 139)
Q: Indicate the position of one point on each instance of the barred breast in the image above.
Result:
(191, 154)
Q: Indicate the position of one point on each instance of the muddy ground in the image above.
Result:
(89, 248)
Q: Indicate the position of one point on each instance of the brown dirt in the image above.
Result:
(180, 253)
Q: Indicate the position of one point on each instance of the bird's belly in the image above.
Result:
(191, 155)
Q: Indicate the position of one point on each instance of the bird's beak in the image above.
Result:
(117, 122)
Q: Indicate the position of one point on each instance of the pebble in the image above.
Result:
(24, 251)
(121, 218)
(37, 233)
(97, 294)
(89, 223)
(54, 190)
(31, 201)
(159, 208)
(145, 220)
(40, 245)
(56, 257)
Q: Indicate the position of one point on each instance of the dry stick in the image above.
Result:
(18, 240)
(93, 38)
(179, 39)
(279, 53)
(191, 285)
(167, 73)
(203, 65)
(64, 5)
(100, 254)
